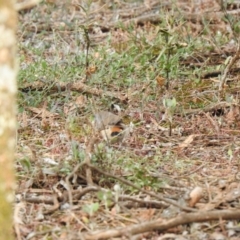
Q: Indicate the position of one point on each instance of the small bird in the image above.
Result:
(109, 125)
(104, 119)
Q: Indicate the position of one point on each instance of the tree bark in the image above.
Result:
(8, 89)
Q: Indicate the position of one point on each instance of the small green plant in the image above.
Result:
(106, 198)
(90, 209)
(26, 164)
(170, 106)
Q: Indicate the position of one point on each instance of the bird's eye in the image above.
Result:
(115, 133)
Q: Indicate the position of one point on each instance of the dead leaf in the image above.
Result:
(146, 214)
(90, 70)
(160, 81)
(233, 114)
(195, 195)
(42, 112)
(72, 106)
(80, 101)
(232, 195)
(187, 141)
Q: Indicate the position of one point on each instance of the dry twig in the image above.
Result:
(228, 68)
(77, 86)
(161, 225)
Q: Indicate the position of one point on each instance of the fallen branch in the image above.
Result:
(162, 225)
(77, 86)
(217, 73)
(137, 203)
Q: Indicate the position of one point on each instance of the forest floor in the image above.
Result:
(172, 68)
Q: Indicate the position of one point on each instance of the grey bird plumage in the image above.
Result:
(103, 119)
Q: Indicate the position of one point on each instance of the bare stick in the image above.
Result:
(77, 195)
(89, 152)
(78, 86)
(69, 190)
(161, 225)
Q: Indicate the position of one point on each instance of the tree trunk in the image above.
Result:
(8, 89)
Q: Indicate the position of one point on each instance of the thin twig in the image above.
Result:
(89, 152)
(197, 169)
(69, 190)
(86, 34)
(78, 86)
(55, 206)
(77, 195)
(228, 68)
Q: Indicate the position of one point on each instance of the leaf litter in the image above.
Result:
(153, 185)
